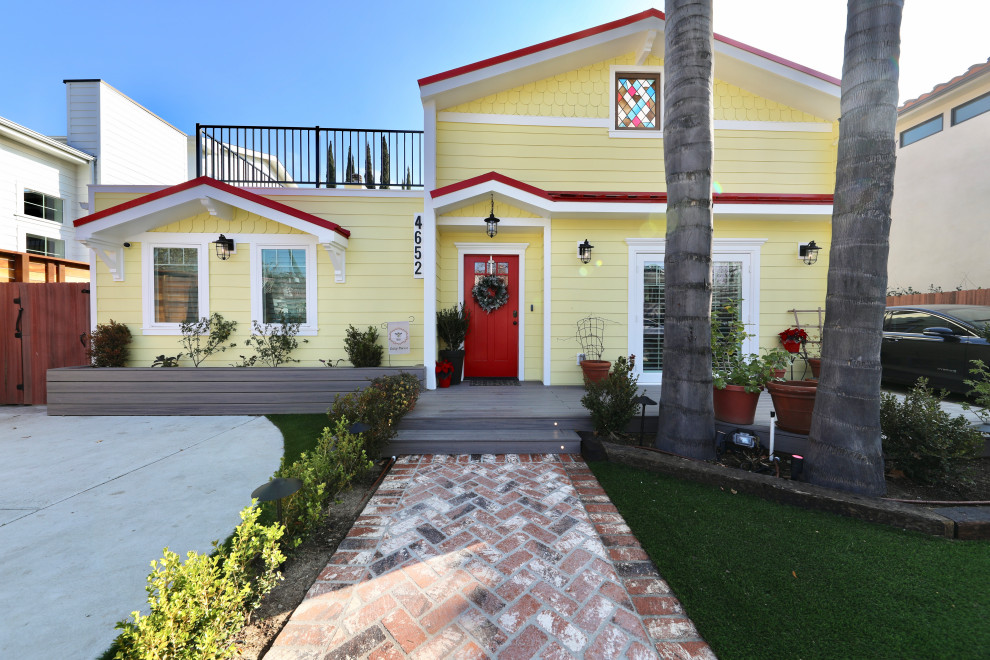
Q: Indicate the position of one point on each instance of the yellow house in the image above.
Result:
(561, 142)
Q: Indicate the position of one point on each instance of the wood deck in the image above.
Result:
(531, 418)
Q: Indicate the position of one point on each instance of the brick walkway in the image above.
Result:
(489, 557)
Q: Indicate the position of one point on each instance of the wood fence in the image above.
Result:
(24, 267)
(42, 326)
(970, 297)
(206, 390)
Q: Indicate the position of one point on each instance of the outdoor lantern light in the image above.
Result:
(224, 247)
(276, 489)
(808, 252)
(491, 222)
(584, 251)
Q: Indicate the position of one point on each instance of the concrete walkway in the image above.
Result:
(489, 557)
(86, 503)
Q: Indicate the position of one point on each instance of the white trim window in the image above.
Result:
(41, 205)
(736, 275)
(637, 101)
(175, 285)
(283, 282)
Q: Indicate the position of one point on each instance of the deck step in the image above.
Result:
(455, 422)
(481, 440)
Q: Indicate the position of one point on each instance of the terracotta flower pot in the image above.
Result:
(816, 366)
(734, 405)
(794, 402)
(595, 370)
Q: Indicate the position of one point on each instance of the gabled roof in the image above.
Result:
(193, 197)
(971, 73)
(568, 203)
(750, 68)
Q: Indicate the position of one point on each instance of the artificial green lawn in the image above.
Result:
(299, 432)
(766, 580)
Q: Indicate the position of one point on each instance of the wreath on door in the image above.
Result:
(490, 293)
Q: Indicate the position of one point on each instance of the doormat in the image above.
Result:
(492, 382)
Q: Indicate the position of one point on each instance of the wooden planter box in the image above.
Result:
(205, 390)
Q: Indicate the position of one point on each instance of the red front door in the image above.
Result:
(491, 349)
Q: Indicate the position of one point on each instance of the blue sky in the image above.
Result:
(355, 64)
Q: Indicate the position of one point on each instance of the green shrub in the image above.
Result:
(338, 458)
(611, 401)
(217, 331)
(452, 325)
(272, 343)
(166, 360)
(381, 406)
(109, 345)
(981, 389)
(923, 440)
(197, 606)
(363, 349)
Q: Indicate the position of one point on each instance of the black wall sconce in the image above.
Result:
(491, 222)
(584, 251)
(808, 252)
(224, 247)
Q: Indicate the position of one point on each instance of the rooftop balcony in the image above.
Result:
(310, 157)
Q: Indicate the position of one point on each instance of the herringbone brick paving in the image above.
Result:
(515, 556)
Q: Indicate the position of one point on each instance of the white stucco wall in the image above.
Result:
(941, 206)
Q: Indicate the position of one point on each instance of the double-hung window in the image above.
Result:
(283, 287)
(175, 287)
(50, 247)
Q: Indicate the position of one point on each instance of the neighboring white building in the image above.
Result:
(941, 205)
(110, 139)
(42, 191)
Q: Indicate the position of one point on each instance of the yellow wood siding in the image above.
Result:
(601, 288)
(587, 92)
(482, 209)
(380, 286)
(572, 158)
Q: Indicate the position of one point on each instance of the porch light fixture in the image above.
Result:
(584, 251)
(808, 252)
(491, 222)
(224, 247)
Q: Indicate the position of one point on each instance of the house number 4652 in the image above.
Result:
(418, 247)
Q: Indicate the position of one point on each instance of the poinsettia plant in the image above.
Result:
(793, 339)
(444, 368)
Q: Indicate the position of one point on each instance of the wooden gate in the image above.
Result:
(42, 326)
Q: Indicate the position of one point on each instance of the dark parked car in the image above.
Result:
(936, 342)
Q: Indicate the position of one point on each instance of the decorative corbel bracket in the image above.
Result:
(646, 48)
(217, 209)
(337, 249)
(111, 254)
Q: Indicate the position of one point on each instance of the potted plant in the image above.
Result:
(794, 400)
(591, 337)
(737, 378)
(793, 339)
(444, 372)
(452, 328)
(813, 355)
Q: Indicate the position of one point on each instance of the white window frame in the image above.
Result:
(149, 325)
(310, 328)
(633, 132)
(746, 250)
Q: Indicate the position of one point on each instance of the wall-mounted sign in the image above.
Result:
(398, 337)
(418, 247)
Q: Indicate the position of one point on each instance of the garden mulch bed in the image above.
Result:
(303, 565)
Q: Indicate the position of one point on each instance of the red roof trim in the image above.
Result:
(219, 185)
(590, 32)
(623, 196)
(546, 45)
(489, 176)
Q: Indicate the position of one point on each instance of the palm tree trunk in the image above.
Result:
(844, 444)
(687, 421)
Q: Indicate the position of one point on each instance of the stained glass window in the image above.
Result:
(636, 101)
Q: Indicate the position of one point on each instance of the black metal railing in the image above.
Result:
(291, 156)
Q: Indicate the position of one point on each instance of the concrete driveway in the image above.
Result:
(86, 503)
